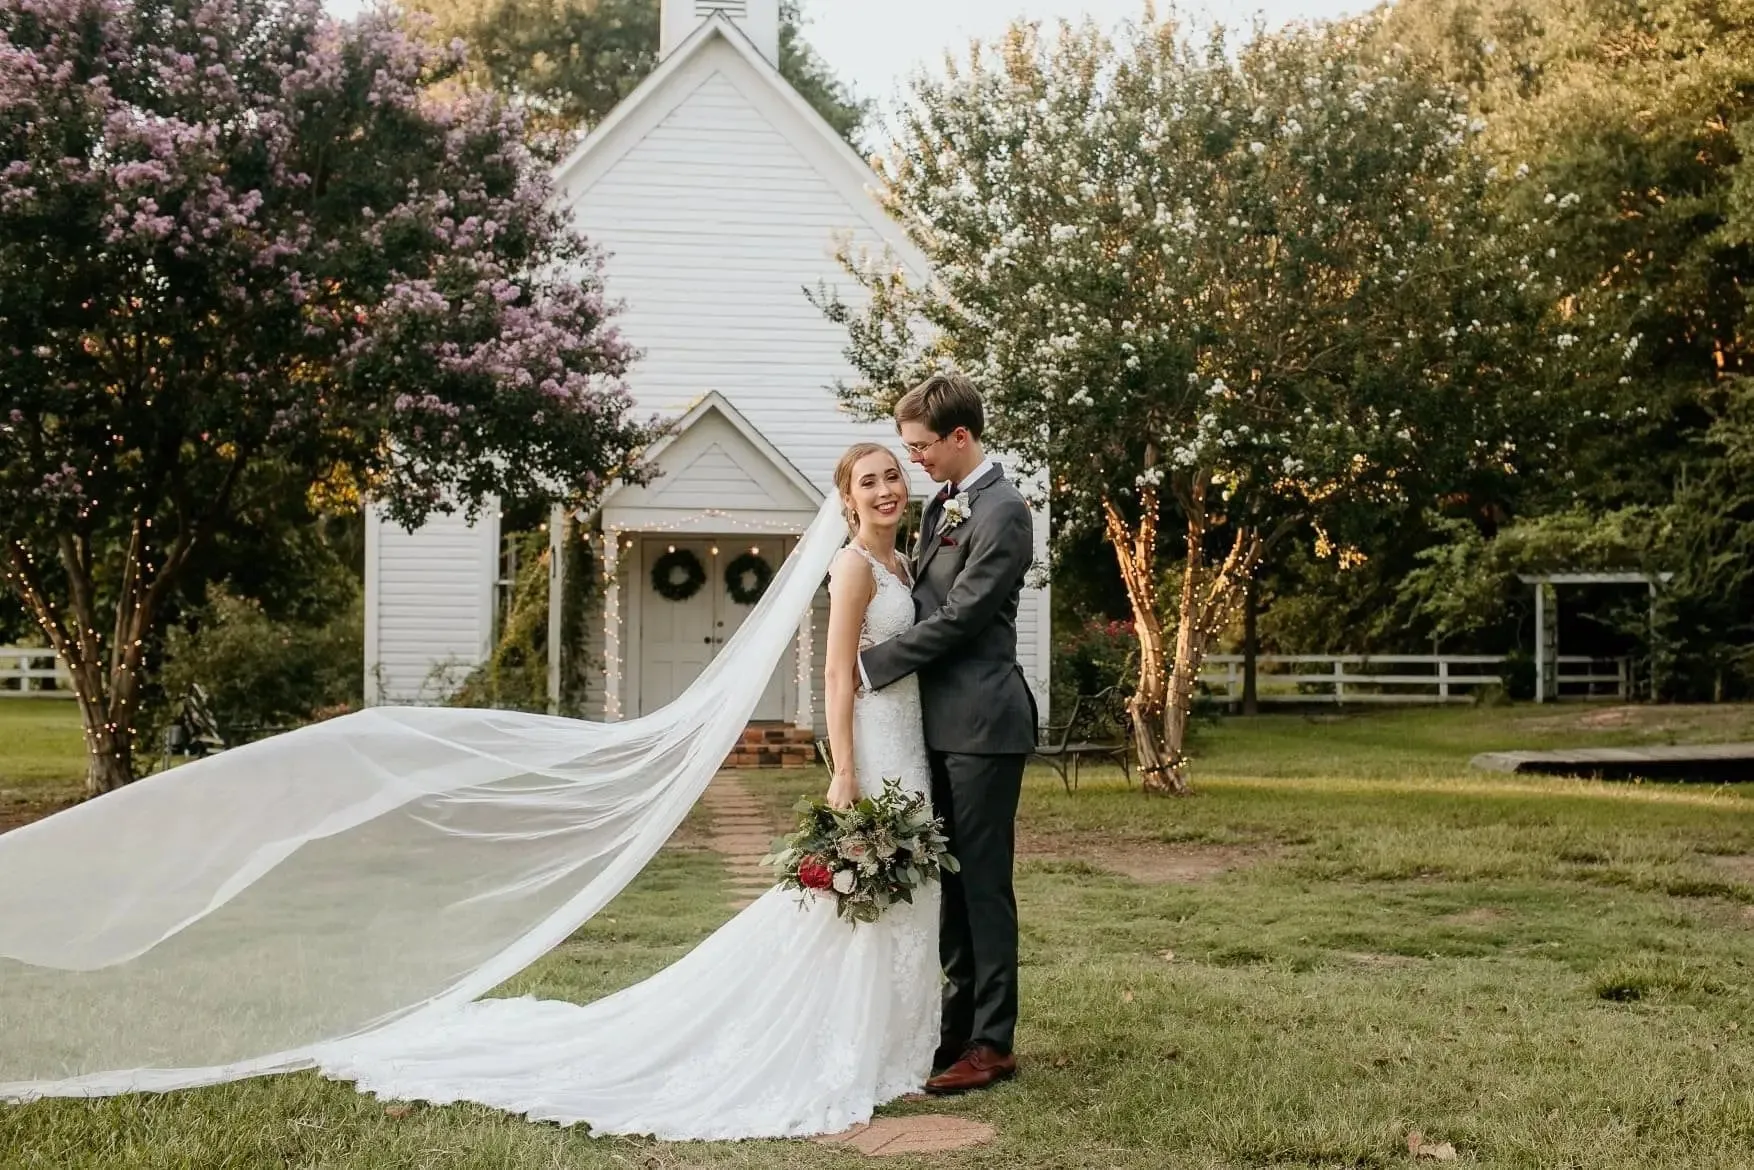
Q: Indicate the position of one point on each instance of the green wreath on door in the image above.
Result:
(678, 575)
(747, 578)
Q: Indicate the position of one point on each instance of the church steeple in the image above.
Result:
(759, 20)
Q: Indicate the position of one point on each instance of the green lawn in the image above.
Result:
(42, 757)
(1365, 939)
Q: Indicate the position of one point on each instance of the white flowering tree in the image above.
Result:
(1249, 293)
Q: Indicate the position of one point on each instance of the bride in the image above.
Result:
(783, 1023)
(230, 921)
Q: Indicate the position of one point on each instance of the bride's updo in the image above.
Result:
(843, 477)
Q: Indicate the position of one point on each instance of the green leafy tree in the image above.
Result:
(1632, 120)
(1258, 292)
(1637, 121)
(573, 60)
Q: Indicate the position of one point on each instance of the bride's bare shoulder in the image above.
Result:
(850, 574)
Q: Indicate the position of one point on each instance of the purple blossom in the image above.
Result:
(61, 485)
(450, 309)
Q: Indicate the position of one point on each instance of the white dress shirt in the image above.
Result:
(981, 468)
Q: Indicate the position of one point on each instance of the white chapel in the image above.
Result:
(720, 196)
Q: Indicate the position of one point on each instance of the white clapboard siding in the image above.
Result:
(1034, 615)
(713, 480)
(718, 199)
(715, 224)
(715, 460)
(429, 616)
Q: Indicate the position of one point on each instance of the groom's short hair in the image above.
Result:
(944, 402)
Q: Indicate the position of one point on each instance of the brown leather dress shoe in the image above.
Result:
(979, 1067)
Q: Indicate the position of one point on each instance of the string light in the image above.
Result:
(616, 540)
(612, 625)
(806, 662)
(719, 519)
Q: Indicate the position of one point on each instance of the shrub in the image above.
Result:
(1092, 657)
(263, 673)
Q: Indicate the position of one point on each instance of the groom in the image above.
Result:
(976, 542)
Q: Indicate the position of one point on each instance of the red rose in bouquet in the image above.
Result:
(813, 875)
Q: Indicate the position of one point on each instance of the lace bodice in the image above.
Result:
(887, 740)
(891, 611)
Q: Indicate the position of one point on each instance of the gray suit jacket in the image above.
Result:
(967, 581)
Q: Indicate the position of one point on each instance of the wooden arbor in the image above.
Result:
(1547, 617)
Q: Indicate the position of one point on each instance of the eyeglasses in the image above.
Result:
(922, 448)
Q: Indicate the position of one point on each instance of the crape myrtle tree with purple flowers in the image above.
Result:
(242, 245)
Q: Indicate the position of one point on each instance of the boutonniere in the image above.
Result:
(955, 511)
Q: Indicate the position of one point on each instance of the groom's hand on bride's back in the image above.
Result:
(1000, 548)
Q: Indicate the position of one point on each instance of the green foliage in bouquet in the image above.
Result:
(867, 857)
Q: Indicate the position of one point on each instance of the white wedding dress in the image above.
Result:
(786, 1022)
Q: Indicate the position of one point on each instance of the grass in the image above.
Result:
(42, 757)
(1542, 972)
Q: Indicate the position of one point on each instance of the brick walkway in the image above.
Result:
(921, 1133)
(742, 832)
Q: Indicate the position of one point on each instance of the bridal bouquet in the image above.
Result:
(867, 857)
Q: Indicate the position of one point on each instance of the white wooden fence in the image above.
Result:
(1401, 678)
(1279, 678)
(32, 670)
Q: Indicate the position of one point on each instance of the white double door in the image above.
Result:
(678, 638)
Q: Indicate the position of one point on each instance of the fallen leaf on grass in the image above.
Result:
(1436, 1151)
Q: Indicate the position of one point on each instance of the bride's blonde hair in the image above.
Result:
(843, 476)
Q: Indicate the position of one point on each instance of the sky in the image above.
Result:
(875, 45)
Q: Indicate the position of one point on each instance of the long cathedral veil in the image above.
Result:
(230, 917)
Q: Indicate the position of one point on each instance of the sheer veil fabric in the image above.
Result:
(234, 916)
(785, 1022)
